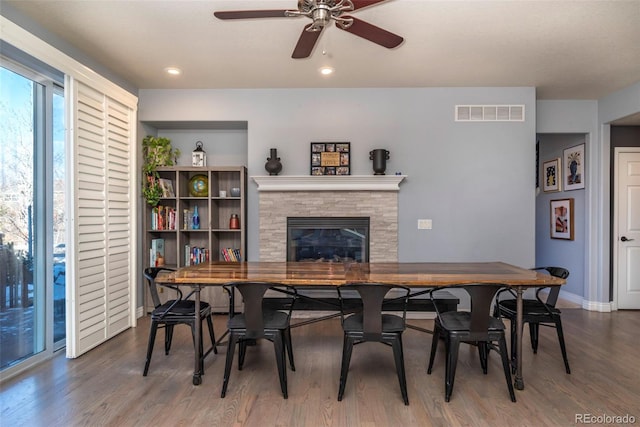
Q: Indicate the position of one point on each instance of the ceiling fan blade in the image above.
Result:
(247, 14)
(359, 4)
(372, 33)
(306, 42)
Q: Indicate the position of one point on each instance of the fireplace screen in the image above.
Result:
(329, 239)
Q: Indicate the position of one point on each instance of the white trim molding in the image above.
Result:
(603, 307)
(329, 182)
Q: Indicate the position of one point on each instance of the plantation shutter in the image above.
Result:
(101, 268)
(119, 215)
(103, 292)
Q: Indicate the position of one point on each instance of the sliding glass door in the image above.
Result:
(32, 231)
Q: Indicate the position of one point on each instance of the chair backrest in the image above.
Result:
(554, 291)
(374, 296)
(253, 294)
(482, 296)
(150, 273)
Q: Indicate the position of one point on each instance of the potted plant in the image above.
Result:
(156, 152)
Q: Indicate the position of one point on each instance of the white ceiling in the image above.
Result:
(566, 49)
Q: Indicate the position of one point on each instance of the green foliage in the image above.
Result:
(156, 152)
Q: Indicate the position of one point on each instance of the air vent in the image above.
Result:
(489, 113)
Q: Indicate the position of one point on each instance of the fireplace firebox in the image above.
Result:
(328, 239)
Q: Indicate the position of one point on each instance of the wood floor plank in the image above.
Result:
(105, 387)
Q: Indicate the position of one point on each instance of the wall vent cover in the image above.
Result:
(489, 113)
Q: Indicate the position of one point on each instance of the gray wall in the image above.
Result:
(474, 180)
(569, 254)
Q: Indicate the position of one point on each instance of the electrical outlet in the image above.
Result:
(424, 224)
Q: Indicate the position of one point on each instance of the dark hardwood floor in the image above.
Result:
(105, 387)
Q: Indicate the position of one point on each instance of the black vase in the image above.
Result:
(273, 165)
(379, 157)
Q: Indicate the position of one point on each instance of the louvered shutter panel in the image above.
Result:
(119, 217)
(103, 146)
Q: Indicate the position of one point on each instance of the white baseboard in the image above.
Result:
(604, 307)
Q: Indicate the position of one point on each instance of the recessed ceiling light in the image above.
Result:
(325, 71)
(173, 71)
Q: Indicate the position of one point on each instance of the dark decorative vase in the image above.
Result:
(379, 157)
(273, 165)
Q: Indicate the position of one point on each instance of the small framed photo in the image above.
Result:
(552, 175)
(562, 219)
(574, 167)
(330, 158)
(167, 188)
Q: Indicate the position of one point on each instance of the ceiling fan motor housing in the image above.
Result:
(334, 6)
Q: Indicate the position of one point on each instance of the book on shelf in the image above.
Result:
(195, 255)
(156, 253)
(231, 254)
(166, 185)
(163, 218)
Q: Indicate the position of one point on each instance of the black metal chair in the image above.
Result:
(535, 312)
(476, 327)
(174, 312)
(370, 324)
(257, 322)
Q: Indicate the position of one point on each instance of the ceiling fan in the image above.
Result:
(322, 12)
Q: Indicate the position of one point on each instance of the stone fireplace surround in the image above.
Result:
(372, 196)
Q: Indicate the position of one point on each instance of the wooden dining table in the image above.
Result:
(318, 275)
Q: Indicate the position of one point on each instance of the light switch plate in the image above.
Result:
(424, 224)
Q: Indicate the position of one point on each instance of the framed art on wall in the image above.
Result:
(330, 158)
(562, 219)
(552, 175)
(574, 167)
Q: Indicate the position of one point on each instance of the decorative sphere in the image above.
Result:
(199, 186)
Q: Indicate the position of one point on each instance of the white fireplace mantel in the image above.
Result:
(329, 182)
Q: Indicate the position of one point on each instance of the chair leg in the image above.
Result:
(168, 337)
(398, 355)
(231, 345)
(289, 346)
(434, 347)
(452, 361)
(242, 352)
(152, 340)
(483, 351)
(347, 348)
(563, 348)
(278, 344)
(534, 330)
(505, 365)
(212, 334)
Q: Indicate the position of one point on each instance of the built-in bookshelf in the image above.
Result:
(208, 237)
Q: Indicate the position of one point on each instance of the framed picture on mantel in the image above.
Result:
(330, 158)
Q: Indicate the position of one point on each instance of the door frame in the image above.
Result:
(615, 231)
